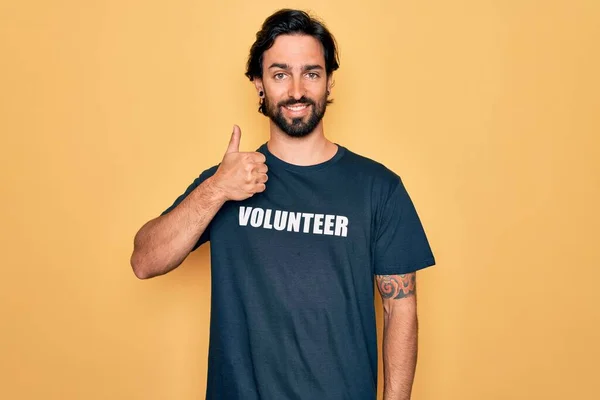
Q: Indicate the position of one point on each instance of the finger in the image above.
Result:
(260, 188)
(261, 168)
(262, 178)
(258, 157)
(234, 142)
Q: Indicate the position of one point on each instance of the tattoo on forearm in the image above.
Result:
(397, 286)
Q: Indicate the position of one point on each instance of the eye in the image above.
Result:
(312, 75)
(279, 76)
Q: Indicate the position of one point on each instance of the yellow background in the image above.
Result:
(487, 109)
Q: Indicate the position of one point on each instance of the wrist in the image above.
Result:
(215, 190)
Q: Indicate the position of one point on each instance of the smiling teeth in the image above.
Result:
(296, 108)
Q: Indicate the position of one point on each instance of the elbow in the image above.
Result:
(404, 310)
(140, 268)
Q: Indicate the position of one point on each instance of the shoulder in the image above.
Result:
(370, 170)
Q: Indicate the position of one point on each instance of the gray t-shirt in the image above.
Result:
(292, 270)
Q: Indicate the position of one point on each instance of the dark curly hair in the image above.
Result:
(288, 22)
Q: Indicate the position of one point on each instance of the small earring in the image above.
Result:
(261, 93)
(328, 93)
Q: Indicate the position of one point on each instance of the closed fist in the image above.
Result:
(240, 174)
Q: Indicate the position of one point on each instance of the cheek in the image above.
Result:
(276, 92)
(317, 91)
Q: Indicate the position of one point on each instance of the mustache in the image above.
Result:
(291, 102)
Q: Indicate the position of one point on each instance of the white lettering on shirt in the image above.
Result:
(341, 226)
(294, 222)
(244, 215)
(280, 220)
(317, 229)
(267, 224)
(307, 217)
(329, 224)
(256, 219)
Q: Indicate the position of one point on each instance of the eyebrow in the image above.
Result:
(308, 67)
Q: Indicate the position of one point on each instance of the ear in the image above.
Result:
(259, 86)
(330, 83)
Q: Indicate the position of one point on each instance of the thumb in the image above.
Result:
(234, 142)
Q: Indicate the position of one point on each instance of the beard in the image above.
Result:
(297, 127)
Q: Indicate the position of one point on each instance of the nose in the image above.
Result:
(296, 90)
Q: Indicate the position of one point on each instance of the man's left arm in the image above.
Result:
(400, 327)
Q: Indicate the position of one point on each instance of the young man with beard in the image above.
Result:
(300, 231)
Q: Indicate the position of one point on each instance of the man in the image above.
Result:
(299, 232)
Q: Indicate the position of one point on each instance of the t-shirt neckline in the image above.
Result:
(272, 160)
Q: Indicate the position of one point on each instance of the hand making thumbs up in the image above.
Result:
(240, 174)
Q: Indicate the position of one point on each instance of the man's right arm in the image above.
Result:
(164, 242)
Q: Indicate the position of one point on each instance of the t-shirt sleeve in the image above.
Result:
(205, 236)
(401, 245)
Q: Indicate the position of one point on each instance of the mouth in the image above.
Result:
(297, 108)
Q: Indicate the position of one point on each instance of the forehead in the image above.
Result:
(294, 50)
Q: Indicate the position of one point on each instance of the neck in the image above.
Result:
(311, 149)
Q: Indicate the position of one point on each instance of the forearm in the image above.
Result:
(400, 343)
(164, 242)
